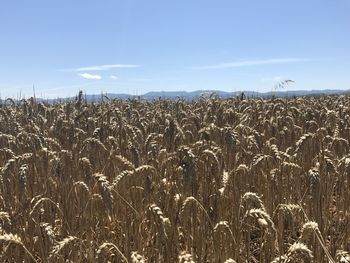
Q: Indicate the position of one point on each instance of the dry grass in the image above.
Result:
(173, 181)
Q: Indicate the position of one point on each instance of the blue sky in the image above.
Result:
(135, 46)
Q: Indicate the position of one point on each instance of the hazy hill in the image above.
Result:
(193, 95)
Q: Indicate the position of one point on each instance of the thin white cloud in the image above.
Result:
(113, 77)
(246, 63)
(106, 67)
(142, 79)
(272, 79)
(89, 76)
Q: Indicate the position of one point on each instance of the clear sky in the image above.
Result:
(135, 46)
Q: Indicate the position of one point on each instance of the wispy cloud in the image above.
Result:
(141, 79)
(272, 79)
(246, 63)
(106, 67)
(113, 77)
(89, 76)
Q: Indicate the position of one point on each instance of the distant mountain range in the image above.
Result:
(193, 95)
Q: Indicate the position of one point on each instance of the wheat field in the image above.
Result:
(214, 180)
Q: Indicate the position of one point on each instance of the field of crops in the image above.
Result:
(235, 180)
